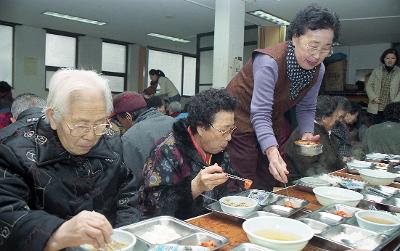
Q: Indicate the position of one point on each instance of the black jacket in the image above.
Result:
(42, 185)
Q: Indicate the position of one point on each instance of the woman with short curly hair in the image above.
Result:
(191, 160)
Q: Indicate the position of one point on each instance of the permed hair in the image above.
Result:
(67, 81)
(326, 106)
(204, 105)
(313, 17)
(389, 51)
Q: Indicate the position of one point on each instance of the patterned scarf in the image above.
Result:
(299, 77)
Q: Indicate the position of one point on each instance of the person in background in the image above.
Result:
(383, 86)
(191, 160)
(275, 80)
(167, 88)
(345, 134)
(328, 112)
(143, 128)
(158, 103)
(6, 100)
(63, 182)
(25, 104)
(384, 137)
(174, 109)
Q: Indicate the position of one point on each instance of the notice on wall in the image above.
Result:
(30, 65)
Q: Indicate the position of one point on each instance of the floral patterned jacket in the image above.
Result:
(168, 173)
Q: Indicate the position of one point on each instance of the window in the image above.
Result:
(114, 66)
(179, 68)
(6, 53)
(61, 52)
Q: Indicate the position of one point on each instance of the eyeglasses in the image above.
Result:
(225, 132)
(79, 130)
(315, 50)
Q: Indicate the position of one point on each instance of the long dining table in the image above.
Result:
(234, 232)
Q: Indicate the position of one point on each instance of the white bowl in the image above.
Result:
(374, 226)
(377, 177)
(358, 164)
(335, 195)
(251, 205)
(278, 224)
(314, 182)
(118, 236)
(376, 156)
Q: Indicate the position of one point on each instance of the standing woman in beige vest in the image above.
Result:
(383, 84)
(276, 79)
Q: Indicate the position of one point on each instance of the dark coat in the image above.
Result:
(168, 173)
(301, 166)
(42, 185)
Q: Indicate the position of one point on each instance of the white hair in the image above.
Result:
(175, 107)
(66, 81)
(25, 101)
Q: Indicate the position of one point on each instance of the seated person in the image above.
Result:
(384, 137)
(62, 179)
(326, 114)
(144, 128)
(191, 160)
(174, 109)
(344, 133)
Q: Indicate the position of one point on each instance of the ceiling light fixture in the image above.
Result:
(266, 16)
(175, 39)
(73, 18)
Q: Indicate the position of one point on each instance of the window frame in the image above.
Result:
(117, 74)
(182, 54)
(56, 68)
(12, 25)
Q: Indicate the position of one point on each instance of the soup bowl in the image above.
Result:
(377, 221)
(238, 205)
(118, 236)
(335, 195)
(278, 233)
(377, 177)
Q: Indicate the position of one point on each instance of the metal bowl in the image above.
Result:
(308, 149)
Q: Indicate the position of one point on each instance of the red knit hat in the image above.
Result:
(128, 102)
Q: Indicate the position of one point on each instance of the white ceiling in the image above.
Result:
(131, 20)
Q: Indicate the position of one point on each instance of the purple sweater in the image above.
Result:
(265, 73)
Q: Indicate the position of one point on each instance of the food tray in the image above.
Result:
(250, 247)
(337, 231)
(309, 183)
(190, 235)
(274, 203)
(384, 197)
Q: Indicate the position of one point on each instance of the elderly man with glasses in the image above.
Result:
(62, 179)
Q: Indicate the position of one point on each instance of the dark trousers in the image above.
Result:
(249, 161)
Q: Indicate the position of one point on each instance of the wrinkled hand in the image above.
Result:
(277, 165)
(84, 228)
(310, 136)
(207, 179)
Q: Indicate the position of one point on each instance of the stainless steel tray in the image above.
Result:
(190, 235)
(341, 233)
(274, 204)
(384, 197)
(250, 247)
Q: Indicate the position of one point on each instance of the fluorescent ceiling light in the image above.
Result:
(175, 39)
(78, 19)
(264, 15)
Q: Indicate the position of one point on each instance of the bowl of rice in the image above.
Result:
(238, 205)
